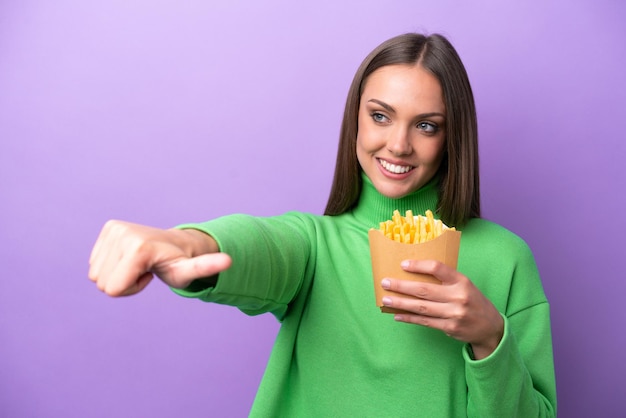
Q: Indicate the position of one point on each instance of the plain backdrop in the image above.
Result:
(164, 112)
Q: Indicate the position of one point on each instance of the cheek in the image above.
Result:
(368, 140)
(360, 150)
(434, 152)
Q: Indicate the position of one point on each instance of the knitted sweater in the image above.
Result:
(337, 355)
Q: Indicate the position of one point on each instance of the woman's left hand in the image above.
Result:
(455, 307)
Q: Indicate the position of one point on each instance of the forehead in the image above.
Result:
(409, 86)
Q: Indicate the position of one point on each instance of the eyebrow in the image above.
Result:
(390, 108)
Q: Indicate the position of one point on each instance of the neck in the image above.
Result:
(373, 207)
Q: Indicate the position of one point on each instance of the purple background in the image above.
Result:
(166, 112)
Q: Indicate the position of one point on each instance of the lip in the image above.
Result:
(389, 174)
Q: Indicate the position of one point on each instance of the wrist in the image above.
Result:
(484, 348)
(481, 351)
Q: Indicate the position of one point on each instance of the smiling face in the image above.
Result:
(401, 129)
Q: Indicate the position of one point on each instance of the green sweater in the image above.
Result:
(337, 355)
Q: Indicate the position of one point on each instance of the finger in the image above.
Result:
(182, 272)
(139, 285)
(416, 306)
(132, 289)
(104, 236)
(126, 276)
(421, 290)
(102, 265)
(105, 254)
(426, 321)
(446, 274)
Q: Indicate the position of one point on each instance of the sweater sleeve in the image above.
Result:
(517, 379)
(270, 262)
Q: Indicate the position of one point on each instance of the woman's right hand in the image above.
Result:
(126, 257)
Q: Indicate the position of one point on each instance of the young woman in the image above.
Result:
(479, 344)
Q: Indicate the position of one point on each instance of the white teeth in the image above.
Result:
(396, 169)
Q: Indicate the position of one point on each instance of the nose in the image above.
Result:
(399, 142)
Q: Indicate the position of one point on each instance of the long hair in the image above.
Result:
(459, 190)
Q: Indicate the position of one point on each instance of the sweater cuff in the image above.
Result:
(197, 288)
(468, 353)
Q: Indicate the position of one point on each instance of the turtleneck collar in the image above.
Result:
(373, 208)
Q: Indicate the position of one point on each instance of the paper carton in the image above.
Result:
(388, 254)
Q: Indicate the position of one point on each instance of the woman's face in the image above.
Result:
(401, 129)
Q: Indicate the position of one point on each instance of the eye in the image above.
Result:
(428, 127)
(379, 117)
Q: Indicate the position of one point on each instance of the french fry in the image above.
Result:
(413, 229)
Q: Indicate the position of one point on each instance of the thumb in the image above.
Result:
(180, 273)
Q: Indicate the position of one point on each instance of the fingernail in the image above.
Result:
(386, 300)
(404, 264)
(385, 283)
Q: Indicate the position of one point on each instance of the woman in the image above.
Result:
(479, 347)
